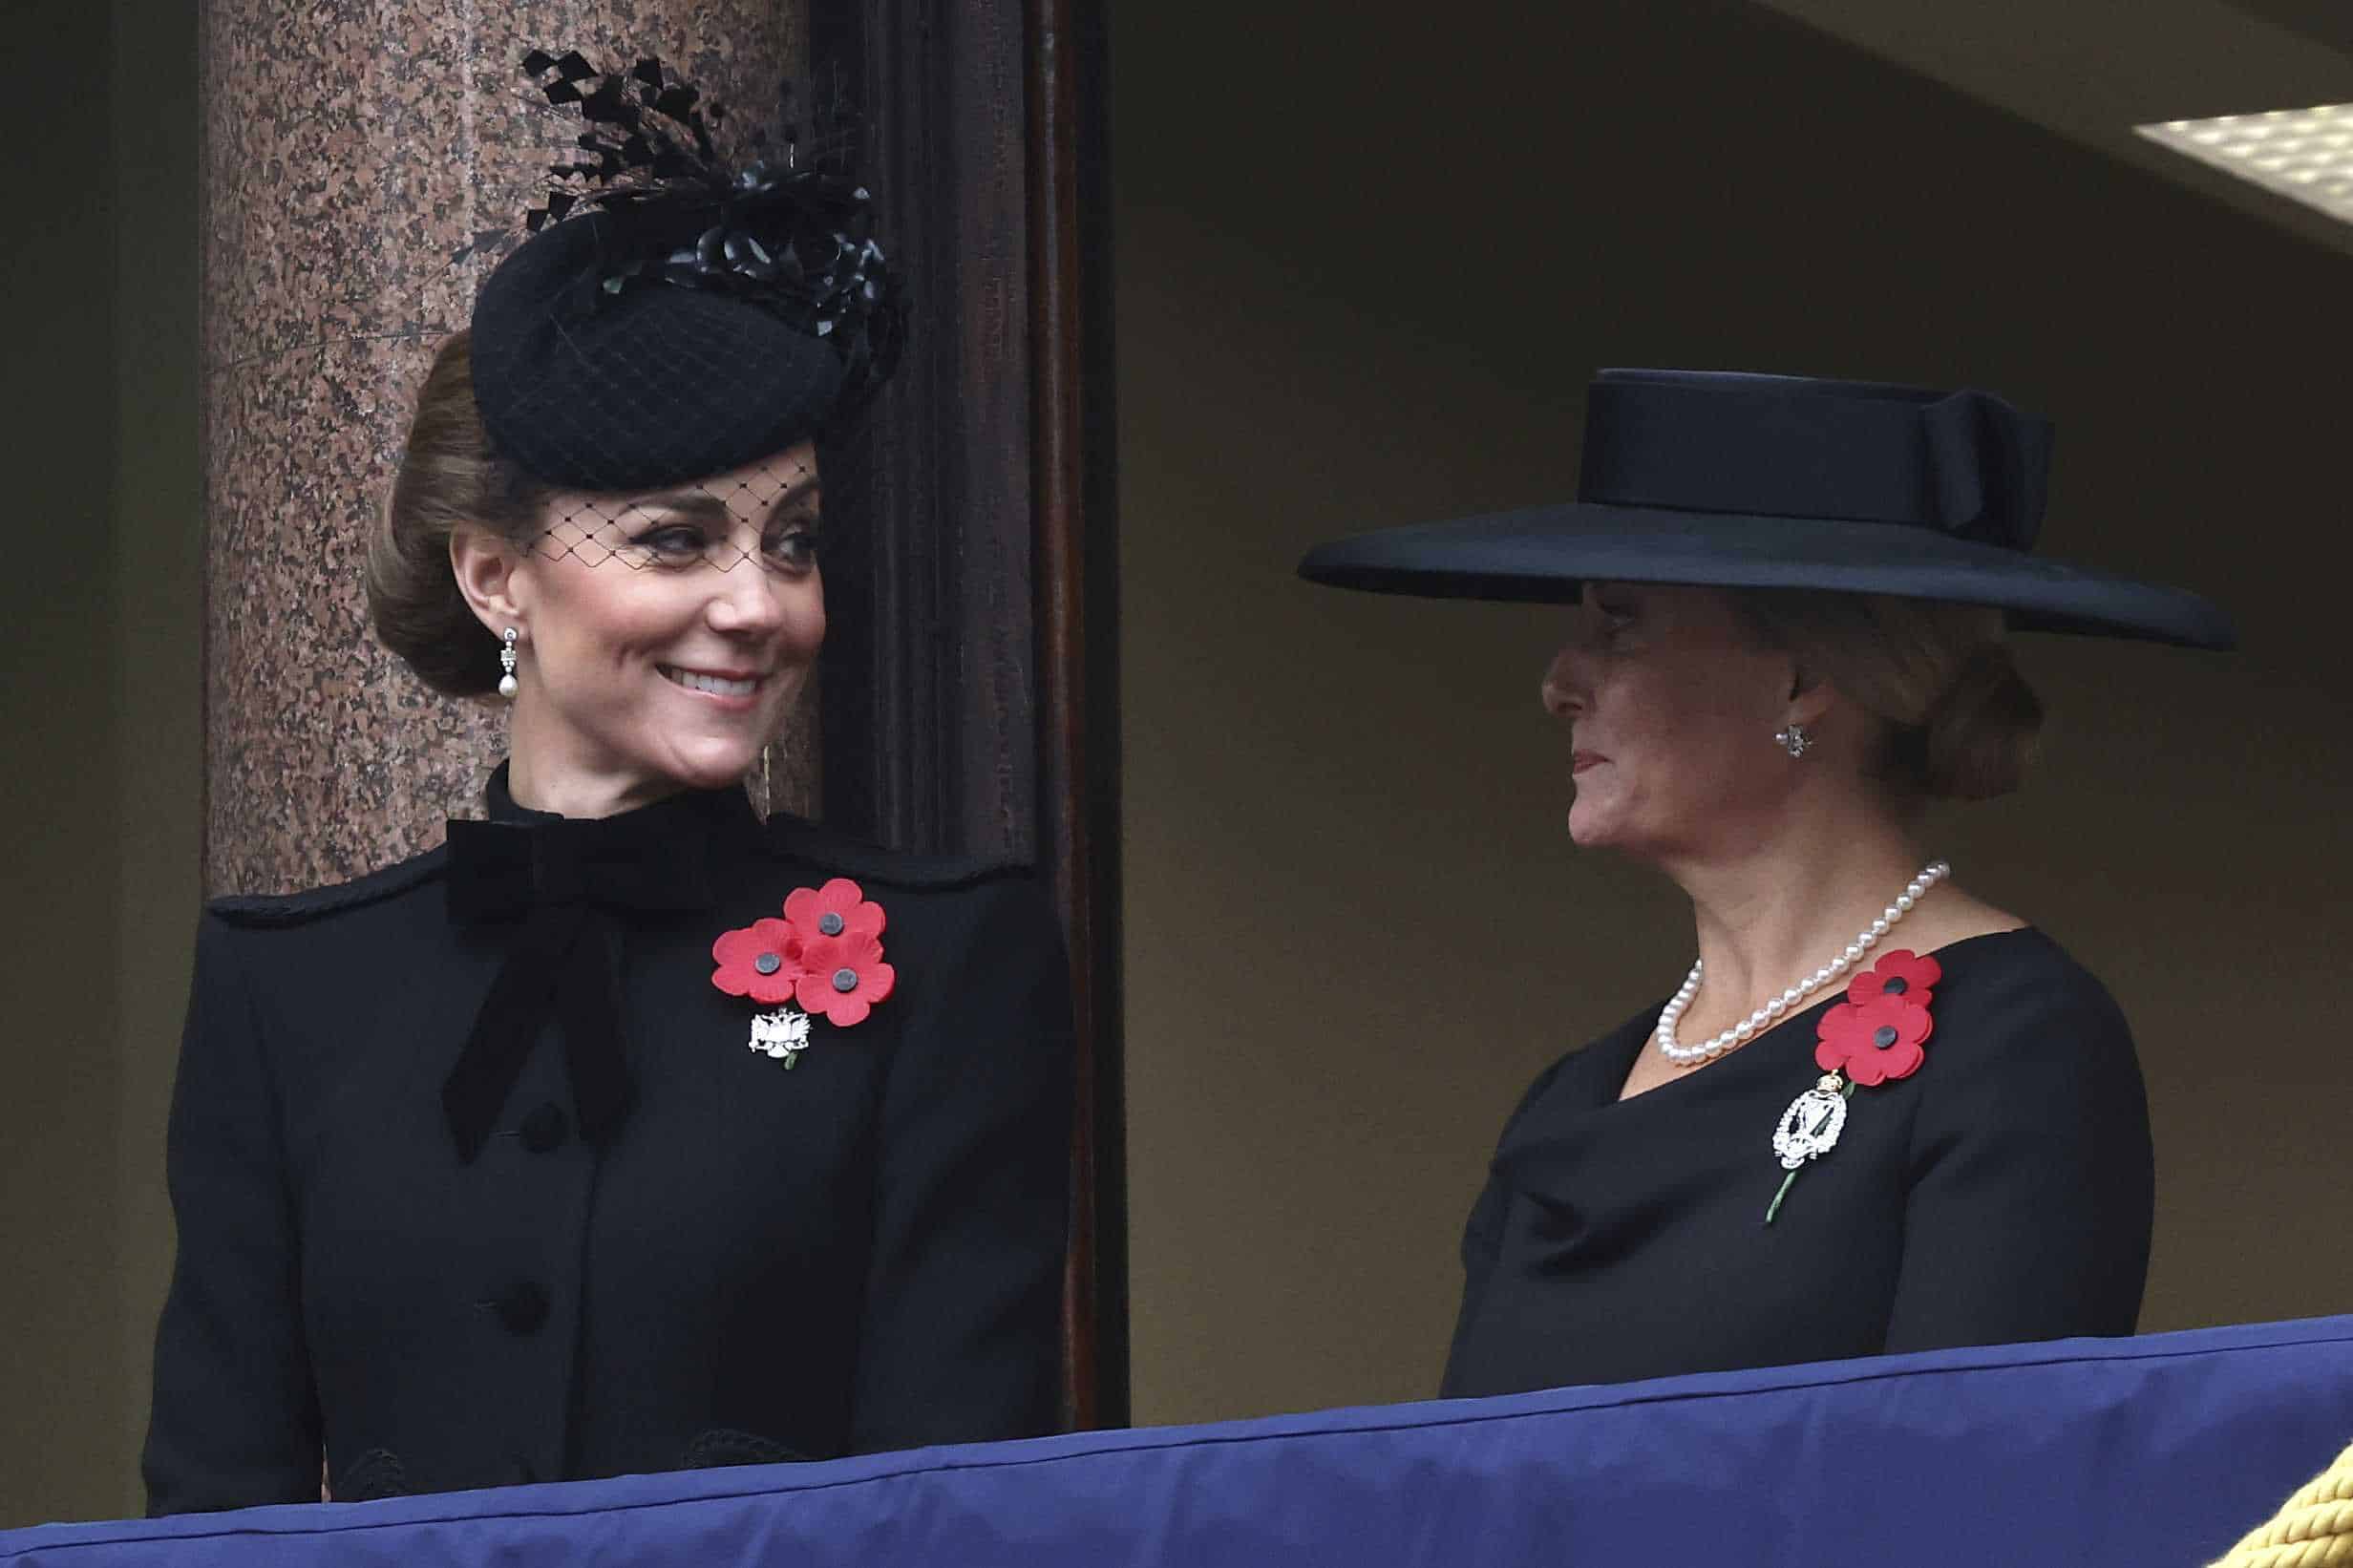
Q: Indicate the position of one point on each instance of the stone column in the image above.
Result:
(350, 149)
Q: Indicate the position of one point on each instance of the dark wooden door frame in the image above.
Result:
(971, 676)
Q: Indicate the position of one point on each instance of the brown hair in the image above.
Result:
(1961, 721)
(449, 476)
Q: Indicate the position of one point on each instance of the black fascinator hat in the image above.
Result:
(671, 318)
(1766, 482)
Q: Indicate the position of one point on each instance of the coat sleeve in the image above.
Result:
(2032, 1178)
(960, 1337)
(235, 1417)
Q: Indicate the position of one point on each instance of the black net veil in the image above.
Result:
(681, 316)
(766, 515)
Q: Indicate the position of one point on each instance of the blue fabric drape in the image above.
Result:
(2161, 1449)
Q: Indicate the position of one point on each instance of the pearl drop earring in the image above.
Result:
(507, 686)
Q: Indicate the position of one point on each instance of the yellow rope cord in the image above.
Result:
(2314, 1529)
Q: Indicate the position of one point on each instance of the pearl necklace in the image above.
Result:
(1770, 1014)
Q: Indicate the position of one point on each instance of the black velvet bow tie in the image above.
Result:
(561, 881)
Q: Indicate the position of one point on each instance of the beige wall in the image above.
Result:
(1366, 266)
(98, 707)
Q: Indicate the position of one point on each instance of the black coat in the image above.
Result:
(862, 1252)
(2003, 1191)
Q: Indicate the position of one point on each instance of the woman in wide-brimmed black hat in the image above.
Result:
(625, 1131)
(1879, 1113)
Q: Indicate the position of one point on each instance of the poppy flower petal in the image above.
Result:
(822, 956)
(1918, 971)
(773, 990)
(1901, 973)
(1918, 976)
(1898, 1011)
(1900, 1060)
(842, 901)
(1868, 1069)
(738, 954)
(1841, 1027)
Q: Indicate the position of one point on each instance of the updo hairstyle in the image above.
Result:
(449, 476)
(1961, 722)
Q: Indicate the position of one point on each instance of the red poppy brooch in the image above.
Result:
(825, 958)
(1873, 1037)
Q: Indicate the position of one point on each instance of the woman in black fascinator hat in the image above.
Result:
(625, 1131)
(1879, 1114)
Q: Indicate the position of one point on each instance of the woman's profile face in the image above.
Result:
(670, 632)
(1671, 702)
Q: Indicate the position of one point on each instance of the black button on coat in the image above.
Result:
(863, 1252)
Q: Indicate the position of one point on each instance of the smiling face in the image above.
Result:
(663, 635)
(1672, 701)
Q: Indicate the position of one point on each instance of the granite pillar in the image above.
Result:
(350, 149)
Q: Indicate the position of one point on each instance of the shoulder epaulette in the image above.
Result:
(800, 839)
(295, 908)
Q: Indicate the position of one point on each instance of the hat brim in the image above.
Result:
(1542, 555)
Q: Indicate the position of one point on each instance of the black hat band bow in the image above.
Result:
(1967, 463)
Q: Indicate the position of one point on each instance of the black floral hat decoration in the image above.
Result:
(1774, 481)
(670, 317)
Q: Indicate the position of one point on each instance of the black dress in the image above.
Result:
(737, 1261)
(2000, 1193)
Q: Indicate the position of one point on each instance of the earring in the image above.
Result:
(1793, 739)
(506, 662)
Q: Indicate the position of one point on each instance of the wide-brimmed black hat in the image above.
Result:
(1769, 482)
(670, 317)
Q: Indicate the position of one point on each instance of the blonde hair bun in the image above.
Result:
(1982, 732)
